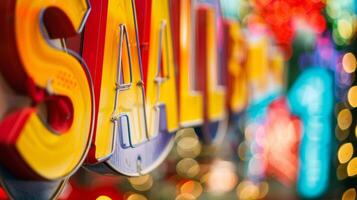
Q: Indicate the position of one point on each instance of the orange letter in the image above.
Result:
(158, 65)
(190, 95)
(234, 56)
(214, 93)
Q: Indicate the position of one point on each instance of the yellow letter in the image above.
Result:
(51, 146)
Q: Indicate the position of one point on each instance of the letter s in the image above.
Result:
(51, 144)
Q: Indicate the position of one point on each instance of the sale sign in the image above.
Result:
(141, 70)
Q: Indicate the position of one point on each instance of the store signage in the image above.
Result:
(142, 71)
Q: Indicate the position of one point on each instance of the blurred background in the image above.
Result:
(295, 136)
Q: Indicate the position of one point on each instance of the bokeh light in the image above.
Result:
(352, 96)
(341, 172)
(188, 144)
(345, 152)
(349, 62)
(192, 187)
(221, 177)
(344, 119)
(188, 167)
(136, 197)
(103, 197)
(141, 183)
(352, 167)
(349, 194)
(247, 190)
(185, 196)
(344, 29)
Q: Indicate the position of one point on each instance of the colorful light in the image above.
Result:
(352, 96)
(249, 190)
(141, 183)
(352, 167)
(349, 194)
(344, 119)
(349, 62)
(279, 142)
(345, 153)
(192, 187)
(103, 197)
(288, 14)
(342, 13)
(311, 98)
(221, 177)
(230, 9)
(136, 197)
(188, 168)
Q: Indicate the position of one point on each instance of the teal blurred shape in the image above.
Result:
(230, 9)
(311, 98)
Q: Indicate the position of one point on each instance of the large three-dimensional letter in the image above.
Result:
(49, 139)
(190, 95)
(158, 64)
(208, 64)
(124, 142)
(234, 59)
